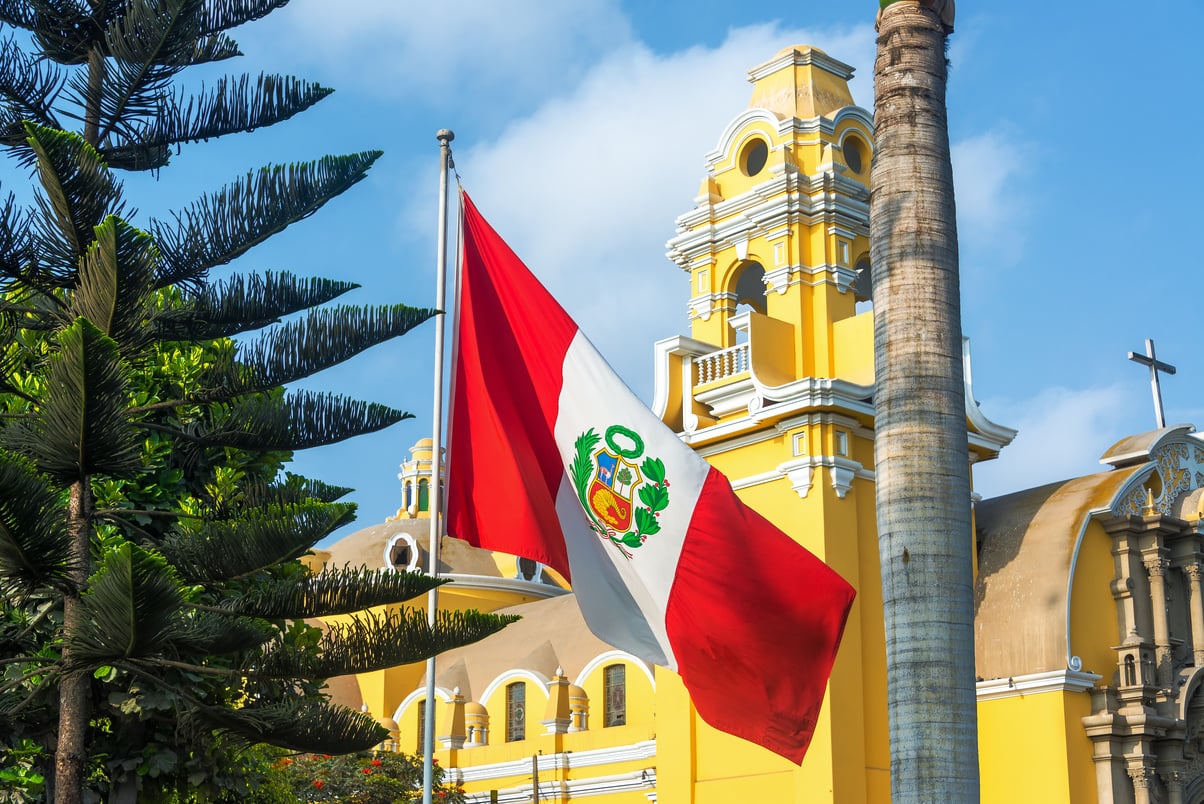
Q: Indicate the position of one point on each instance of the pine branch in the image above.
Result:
(323, 338)
(372, 642)
(220, 227)
(224, 550)
(17, 13)
(243, 303)
(34, 540)
(80, 426)
(332, 592)
(78, 192)
(300, 420)
(298, 725)
(131, 609)
(234, 105)
(222, 15)
(64, 31)
(28, 90)
(115, 279)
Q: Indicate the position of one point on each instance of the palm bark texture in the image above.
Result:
(921, 455)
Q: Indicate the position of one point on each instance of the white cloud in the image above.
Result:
(586, 188)
(469, 47)
(986, 169)
(1063, 432)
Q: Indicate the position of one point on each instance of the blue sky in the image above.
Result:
(580, 132)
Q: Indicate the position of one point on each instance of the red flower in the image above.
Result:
(365, 771)
(318, 784)
(376, 763)
(434, 760)
(326, 756)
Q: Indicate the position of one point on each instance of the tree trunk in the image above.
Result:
(75, 687)
(920, 449)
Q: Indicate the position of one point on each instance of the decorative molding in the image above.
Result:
(800, 473)
(1036, 683)
(800, 480)
(800, 57)
(516, 674)
(554, 762)
(493, 583)
(611, 657)
(842, 479)
(1074, 663)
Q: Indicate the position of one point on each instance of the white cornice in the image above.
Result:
(986, 432)
(492, 583)
(1036, 683)
(801, 57)
(802, 396)
(554, 762)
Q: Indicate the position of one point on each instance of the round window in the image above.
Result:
(754, 157)
(853, 156)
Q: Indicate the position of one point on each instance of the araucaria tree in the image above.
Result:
(148, 541)
(921, 455)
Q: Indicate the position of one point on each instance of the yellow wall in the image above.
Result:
(1034, 748)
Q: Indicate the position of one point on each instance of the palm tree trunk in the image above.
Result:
(74, 708)
(920, 450)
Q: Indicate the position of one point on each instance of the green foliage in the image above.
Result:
(149, 540)
(366, 778)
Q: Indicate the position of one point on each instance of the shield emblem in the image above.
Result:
(612, 488)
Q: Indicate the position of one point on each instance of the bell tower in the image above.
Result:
(774, 386)
(777, 250)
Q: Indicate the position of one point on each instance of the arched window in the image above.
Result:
(750, 286)
(863, 288)
(1130, 671)
(421, 727)
(408, 496)
(615, 695)
(516, 711)
(424, 494)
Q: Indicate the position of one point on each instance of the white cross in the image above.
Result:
(1155, 365)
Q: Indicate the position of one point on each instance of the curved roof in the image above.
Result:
(1025, 562)
(551, 634)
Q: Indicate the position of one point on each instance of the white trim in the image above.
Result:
(1074, 663)
(493, 583)
(995, 435)
(541, 681)
(441, 693)
(551, 762)
(800, 56)
(725, 150)
(1035, 683)
(611, 657)
(410, 542)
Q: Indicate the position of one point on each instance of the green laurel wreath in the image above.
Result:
(654, 495)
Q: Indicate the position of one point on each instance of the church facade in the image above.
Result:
(1089, 625)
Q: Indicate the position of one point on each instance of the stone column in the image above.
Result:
(1174, 786)
(1143, 780)
(1197, 612)
(1157, 567)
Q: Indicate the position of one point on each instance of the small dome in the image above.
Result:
(388, 724)
(474, 708)
(576, 692)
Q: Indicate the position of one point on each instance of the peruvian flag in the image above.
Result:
(553, 458)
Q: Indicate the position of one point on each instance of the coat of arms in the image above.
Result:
(610, 480)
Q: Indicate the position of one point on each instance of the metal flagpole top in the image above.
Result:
(445, 135)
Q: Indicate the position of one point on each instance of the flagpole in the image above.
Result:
(445, 136)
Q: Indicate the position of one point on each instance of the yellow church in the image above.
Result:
(1089, 617)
